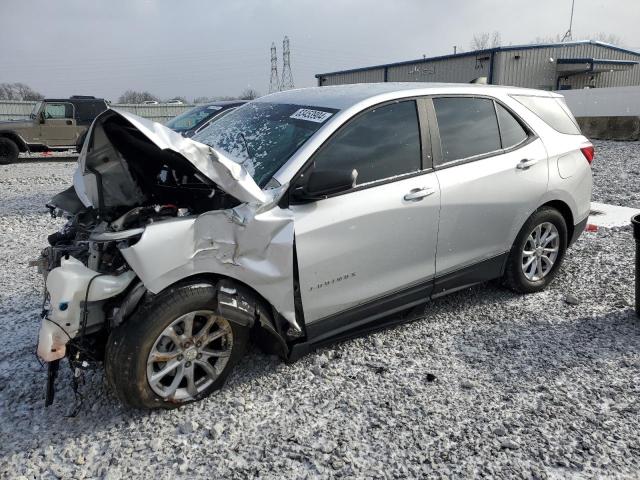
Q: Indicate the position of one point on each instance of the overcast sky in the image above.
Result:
(211, 48)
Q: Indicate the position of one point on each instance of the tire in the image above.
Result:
(8, 151)
(147, 336)
(522, 273)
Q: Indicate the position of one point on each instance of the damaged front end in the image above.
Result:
(150, 208)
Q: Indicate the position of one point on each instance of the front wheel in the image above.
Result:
(176, 350)
(537, 253)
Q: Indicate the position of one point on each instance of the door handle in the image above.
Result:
(526, 163)
(69, 122)
(417, 194)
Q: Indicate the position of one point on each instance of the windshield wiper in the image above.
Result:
(246, 146)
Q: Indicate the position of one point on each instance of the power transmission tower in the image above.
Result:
(274, 83)
(287, 77)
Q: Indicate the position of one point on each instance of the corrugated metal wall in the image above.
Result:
(364, 76)
(456, 69)
(15, 110)
(534, 69)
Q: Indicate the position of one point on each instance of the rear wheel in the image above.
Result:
(176, 350)
(8, 151)
(537, 253)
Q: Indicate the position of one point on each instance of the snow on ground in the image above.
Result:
(490, 383)
(57, 155)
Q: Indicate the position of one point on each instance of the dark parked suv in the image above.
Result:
(54, 124)
(198, 118)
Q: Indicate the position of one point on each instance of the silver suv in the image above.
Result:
(301, 218)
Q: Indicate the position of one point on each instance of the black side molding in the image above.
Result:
(577, 231)
(386, 311)
(468, 276)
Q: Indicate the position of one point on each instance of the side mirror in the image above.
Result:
(42, 116)
(321, 183)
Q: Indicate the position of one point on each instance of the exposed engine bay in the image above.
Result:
(148, 208)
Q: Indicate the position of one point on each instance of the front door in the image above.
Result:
(378, 238)
(59, 125)
(492, 173)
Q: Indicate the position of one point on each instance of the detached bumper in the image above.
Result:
(68, 286)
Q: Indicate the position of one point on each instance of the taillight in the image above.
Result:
(589, 152)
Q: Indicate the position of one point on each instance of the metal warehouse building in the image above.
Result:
(554, 66)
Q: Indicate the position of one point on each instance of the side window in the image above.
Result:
(381, 143)
(511, 132)
(468, 127)
(58, 110)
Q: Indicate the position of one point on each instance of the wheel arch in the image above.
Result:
(15, 138)
(566, 213)
(267, 324)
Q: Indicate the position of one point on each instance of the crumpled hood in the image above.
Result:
(224, 172)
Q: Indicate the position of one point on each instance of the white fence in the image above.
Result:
(604, 102)
(16, 110)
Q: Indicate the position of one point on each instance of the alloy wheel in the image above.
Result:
(540, 251)
(189, 355)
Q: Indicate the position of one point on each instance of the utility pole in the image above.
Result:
(287, 77)
(567, 35)
(274, 82)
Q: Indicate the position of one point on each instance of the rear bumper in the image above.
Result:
(577, 230)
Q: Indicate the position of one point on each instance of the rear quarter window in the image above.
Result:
(551, 111)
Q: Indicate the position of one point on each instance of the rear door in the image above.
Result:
(59, 124)
(492, 171)
(379, 238)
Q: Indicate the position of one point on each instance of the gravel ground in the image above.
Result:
(57, 156)
(616, 173)
(490, 383)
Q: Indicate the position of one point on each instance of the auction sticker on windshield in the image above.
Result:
(317, 116)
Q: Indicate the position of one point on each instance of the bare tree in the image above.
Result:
(484, 40)
(549, 39)
(249, 94)
(480, 41)
(18, 91)
(609, 38)
(202, 100)
(132, 96)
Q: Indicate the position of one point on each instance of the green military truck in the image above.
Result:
(54, 124)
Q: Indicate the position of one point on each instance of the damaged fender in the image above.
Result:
(249, 243)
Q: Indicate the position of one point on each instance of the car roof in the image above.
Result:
(222, 103)
(74, 100)
(345, 96)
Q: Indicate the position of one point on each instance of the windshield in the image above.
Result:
(262, 136)
(192, 118)
(36, 109)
